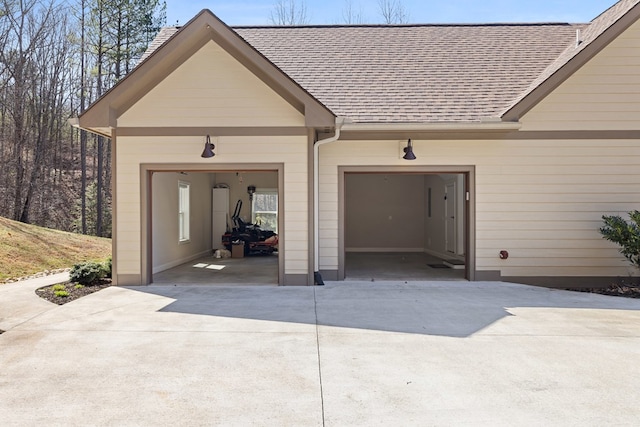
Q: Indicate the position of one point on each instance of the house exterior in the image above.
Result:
(524, 136)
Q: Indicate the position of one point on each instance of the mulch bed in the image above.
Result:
(630, 291)
(74, 292)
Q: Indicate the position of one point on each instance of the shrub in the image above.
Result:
(107, 268)
(86, 273)
(625, 233)
(62, 294)
(58, 287)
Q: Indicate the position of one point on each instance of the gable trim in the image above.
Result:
(536, 95)
(182, 45)
(217, 131)
(493, 135)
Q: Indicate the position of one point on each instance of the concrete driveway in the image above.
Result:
(383, 353)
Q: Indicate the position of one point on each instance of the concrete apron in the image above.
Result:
(19, 303)
(348, 353)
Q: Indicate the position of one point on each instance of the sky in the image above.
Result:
(257, 12)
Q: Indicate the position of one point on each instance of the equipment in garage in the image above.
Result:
(237, 250)
(256, 241)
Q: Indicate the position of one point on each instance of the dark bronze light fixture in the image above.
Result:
(208, 148)
(408, 152)
(251, 189)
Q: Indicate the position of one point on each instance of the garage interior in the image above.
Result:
(397, 226)
(404, 226)
(187, 247)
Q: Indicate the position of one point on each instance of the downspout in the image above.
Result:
(316, 199)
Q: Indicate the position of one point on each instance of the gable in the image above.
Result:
(211, 88)
(604, 94)
(102, 116)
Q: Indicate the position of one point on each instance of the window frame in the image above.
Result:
(184, 212)
(267, 191)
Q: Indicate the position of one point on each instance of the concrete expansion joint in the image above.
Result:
(315, 309)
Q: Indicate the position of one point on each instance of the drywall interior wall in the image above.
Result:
(384, 212)
(167, 251)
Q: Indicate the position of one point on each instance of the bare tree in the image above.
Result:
(393, 11)
(55, 58)
(289, 12)
(27, 24)
(83, 104)
(35, 91)
(351, 14)
(118, 32)
(46, 98)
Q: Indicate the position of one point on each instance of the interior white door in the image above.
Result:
(450, 217)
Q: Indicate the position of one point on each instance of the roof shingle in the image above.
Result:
(421, 73)
(413, 73)
(587, 36)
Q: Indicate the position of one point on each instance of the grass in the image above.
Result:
(28, 249)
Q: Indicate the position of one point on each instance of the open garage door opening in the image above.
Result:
(405, 226)
(215, 228)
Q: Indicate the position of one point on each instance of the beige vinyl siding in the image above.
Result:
(540, 200)
(211, 89)
(603, 95)
(290, 151)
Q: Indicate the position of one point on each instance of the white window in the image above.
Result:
(264, 209)
(183, 211)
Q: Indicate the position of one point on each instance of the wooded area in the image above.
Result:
(55, 59)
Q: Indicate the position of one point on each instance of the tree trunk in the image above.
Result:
(83, 134)
(99, 191)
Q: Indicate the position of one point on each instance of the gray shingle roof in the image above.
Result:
(163, 35)
(588, 35)
(421, 73)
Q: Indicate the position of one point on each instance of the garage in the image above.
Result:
(405, 226)
(215, 227)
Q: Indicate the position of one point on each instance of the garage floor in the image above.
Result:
(253, 270)
(398, 266)
(263, 270)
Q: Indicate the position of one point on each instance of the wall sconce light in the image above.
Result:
(251, 189)
(408, 151)
(208, 148)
